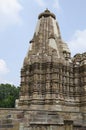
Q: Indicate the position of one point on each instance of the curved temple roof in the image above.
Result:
(47, 38)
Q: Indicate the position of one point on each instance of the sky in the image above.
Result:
(18, 19)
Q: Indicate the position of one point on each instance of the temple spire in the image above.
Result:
(47, 37)
(45, 52)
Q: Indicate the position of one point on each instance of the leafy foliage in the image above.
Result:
(8, 94)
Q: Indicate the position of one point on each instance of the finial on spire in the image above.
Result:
(47, 13)
(47, 10)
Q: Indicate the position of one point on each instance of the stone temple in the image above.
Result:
(53, 84)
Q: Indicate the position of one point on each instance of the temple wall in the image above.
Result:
(23, 119)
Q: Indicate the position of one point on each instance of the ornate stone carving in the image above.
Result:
(51, 80)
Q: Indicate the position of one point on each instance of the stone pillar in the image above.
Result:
(68, 125)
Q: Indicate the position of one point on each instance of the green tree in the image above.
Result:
(8, 94)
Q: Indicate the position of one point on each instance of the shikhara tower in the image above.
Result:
(53, 84)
